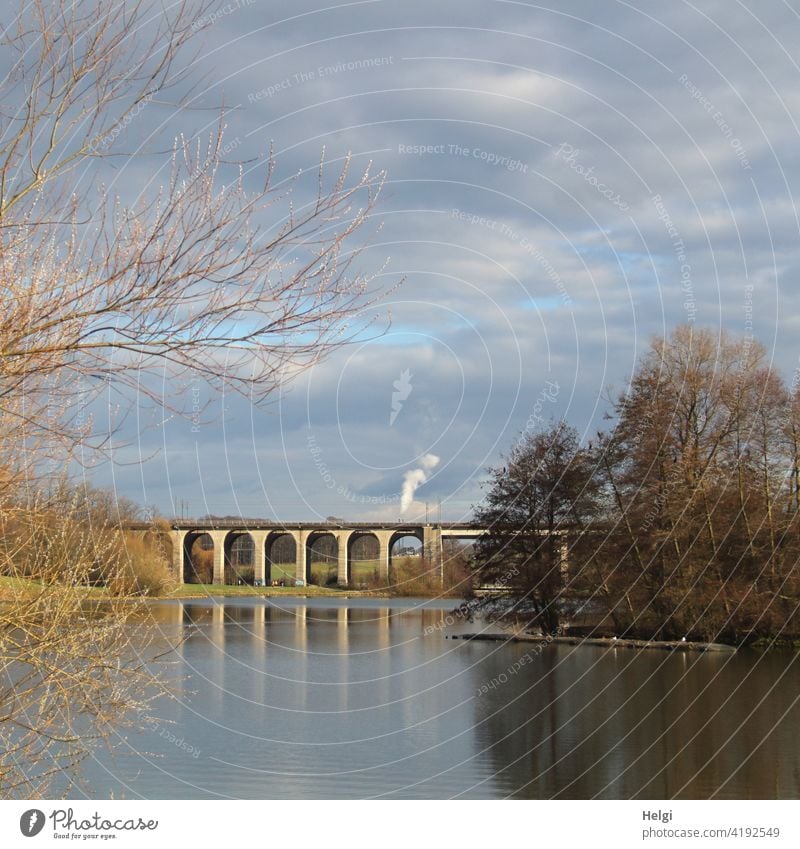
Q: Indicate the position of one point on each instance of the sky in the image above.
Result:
(564, 181)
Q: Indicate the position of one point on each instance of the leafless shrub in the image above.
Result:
(71, 677)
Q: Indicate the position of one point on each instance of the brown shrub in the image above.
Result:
(141, 567)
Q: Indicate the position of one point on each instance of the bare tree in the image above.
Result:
(543, 494)
(700, 532)
(687, 509)
(199, 275)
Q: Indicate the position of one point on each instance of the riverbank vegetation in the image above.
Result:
(682, 520)
(68, 585)
(37, 537)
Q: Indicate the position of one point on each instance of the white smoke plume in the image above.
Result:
(414, 478)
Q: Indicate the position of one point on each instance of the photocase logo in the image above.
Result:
(402, 389)
(31, 822)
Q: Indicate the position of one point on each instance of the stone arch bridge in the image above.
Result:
(224, 533)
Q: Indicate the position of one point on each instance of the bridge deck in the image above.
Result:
(269, 525)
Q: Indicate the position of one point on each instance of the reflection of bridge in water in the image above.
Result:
(294, 622)
(263, 536)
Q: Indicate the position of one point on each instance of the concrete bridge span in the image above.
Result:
(223, 534)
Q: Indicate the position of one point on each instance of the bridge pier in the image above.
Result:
(259, 557)
(178, 539)
(384, 553)
(343, 565)
(301, 556)
(218, 538)
(432, 549)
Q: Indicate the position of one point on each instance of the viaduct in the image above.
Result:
(224, 533)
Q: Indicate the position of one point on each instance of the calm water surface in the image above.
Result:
(305, 698)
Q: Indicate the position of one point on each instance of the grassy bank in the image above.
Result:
(15, 588)
(308, 591)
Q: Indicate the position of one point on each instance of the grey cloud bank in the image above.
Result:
(533, 159)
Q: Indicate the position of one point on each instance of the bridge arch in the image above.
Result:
(240, 558)
(322, 558)
(363, 560)
(407, 563)
(198, 558)
(408, 538)
(281, 557)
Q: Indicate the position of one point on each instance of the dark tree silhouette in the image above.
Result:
(541, 496)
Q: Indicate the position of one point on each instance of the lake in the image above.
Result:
(368, 698)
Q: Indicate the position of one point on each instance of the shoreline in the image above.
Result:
(12, 589)
(221, 590)
(196, 591)
(602, 642)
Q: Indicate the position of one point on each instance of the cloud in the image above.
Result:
(465, 88)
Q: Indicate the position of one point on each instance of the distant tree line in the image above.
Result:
(680, 520)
